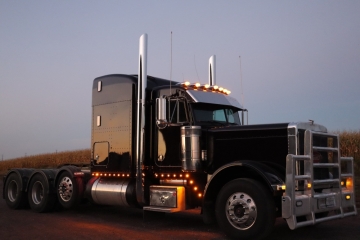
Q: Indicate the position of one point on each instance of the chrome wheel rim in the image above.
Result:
(65, 189)
(12, 191)
(37, 192)
(241, 211)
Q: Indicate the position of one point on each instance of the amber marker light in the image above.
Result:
(206, 86)
(216, 87)
(197, 84)
(195, 188)
(191, 181)
(187, 175)
(180, 175)
(342, 183)
(347, 197)
(199, 195)
(186, 83)
(283, 187)
(221, 89)
(309, 185)
(349, 183)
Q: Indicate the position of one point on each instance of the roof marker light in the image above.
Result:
(186, 83)
(216, 87)
(197, 84)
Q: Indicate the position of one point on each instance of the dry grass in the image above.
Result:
(49, 160)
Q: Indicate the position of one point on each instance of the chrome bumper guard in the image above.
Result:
(307, 200)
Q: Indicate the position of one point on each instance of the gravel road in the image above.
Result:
(102, 222)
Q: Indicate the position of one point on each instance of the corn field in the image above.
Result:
(49, 160)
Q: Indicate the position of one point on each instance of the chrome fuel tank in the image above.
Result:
(111, 191)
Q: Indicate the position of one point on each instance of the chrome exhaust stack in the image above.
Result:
(212, 70)
(140, 115)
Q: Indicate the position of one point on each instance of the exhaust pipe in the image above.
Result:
(140, 122)
(212, 70)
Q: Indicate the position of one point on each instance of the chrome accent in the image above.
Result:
(190, 148)
(99, 86)
(110, 191)
(241, 211)
(12, 191)
(140, 117)
(212, 70)
(203, 155)
(305, 201)
(65, 189)
(173, 182)
(161, 120)
(214, 98)
(166, 199)
(37, 192)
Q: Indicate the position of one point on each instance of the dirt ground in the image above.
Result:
(100, 222)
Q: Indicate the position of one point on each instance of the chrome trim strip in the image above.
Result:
(212, 70)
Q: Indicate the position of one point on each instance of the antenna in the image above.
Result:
(241, 83)
(196, 69)
(170, 60)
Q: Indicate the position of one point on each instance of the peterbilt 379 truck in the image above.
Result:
(166, 146)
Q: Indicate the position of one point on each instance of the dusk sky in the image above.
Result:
(300, 60)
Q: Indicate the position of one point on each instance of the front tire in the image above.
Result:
(14, 197)
(245, 209)
(39, 196)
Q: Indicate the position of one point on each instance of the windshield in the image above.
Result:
(208, 113)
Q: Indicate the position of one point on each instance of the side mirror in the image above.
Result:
(161, 120)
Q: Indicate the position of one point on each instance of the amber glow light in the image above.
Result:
(309, 185)
(191, 181)
(349, 183)
(187, 175)
(195, 188)
(200, 195)
(186, 83)
(197, 84)
(347, 197)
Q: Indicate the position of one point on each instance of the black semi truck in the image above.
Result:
(166, 146)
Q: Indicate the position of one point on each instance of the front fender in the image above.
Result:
(260, 171)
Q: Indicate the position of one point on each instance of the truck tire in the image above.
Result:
(14, 197)
(245, 209)
(69, 190)
(40, 199)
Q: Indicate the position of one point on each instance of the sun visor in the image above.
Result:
(214, 98)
